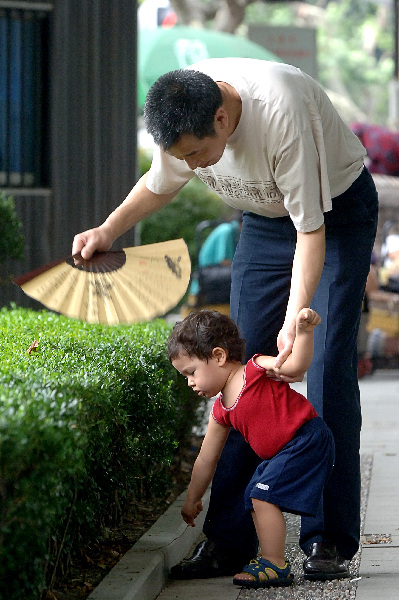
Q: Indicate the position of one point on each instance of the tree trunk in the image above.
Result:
(230, 15)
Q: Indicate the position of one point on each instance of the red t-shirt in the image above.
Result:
(267, 413)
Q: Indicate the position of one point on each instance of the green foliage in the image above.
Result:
(194, 203)
(346, 66)
(269, 14)
(11, 238)
(94, 414)
(354, 48)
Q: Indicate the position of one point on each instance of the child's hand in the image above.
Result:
(307, 319)
(190, 511)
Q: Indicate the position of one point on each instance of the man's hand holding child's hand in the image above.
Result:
(306, 320)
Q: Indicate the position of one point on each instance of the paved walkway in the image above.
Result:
(379, 565)
(141, 574)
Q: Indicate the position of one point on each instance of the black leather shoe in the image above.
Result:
(207, 561)
(324, 562)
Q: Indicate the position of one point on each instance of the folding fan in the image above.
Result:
(123, 286)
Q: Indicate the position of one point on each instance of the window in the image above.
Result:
(24, 148)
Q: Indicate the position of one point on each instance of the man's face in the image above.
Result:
(199, 153)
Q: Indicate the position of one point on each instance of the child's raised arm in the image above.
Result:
(301, 356)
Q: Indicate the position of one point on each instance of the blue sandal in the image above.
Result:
(265, 574)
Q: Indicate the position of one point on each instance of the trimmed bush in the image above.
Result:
(92, 415)
(12, 242)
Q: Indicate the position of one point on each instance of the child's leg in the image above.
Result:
(271, 530)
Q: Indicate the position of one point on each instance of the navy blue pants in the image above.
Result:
(261, 277)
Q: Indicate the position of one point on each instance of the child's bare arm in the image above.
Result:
(299, 360)
(204, 469)
(302, 351)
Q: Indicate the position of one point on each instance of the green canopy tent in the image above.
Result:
(162, 50)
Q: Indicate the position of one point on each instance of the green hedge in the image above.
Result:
(92, 415)
(12, 241)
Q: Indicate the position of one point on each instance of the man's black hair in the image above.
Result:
(181, 102)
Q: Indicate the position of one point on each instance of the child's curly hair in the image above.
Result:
(201, 332)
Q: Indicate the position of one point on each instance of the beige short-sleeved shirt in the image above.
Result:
(290, 153)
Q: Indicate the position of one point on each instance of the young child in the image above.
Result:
(280, 425)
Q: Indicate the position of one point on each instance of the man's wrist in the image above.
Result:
(109, 231)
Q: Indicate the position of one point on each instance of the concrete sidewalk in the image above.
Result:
(142, 573)
(379, 565)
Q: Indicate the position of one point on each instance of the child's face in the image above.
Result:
(207, 378)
